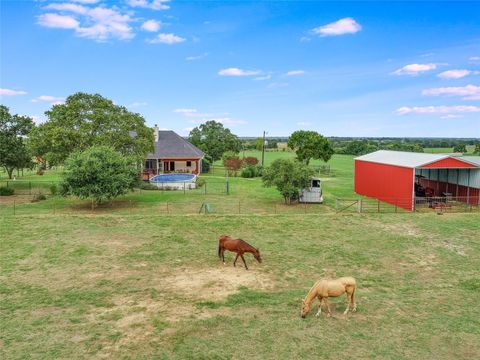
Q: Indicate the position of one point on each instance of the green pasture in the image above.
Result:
(151, 286)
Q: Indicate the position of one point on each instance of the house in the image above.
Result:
(408, 180)
(172, 154)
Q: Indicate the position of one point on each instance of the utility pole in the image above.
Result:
(263, 148)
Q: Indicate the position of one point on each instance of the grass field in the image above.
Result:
(140, 282)
(152, 287)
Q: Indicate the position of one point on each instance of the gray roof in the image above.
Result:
(409, 159)
(475, 160)
(172, 145)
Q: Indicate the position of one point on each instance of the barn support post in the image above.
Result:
(468, 187)
(456, 190)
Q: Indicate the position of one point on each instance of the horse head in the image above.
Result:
(305, 309)
(256, 255)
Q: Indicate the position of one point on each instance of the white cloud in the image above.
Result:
(153, 5)
(405, 110)
(191, 113)
(340, 27)
(37, 119)
(151, 25)
(415, 69)
(198, 57)
(295, 72)
(304, 123)
(474, 58)
(98, 23)
(52, 99)
(58, 21)
(454, 74)
(166, 39)
(86, 1)
(451, 116)
(8, 92)
(79, 9)
(261, 78)
(237, 72)
(469, 92)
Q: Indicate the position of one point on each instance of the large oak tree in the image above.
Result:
(310, 145)
(86, 120)
(13, 130)
(214, 139)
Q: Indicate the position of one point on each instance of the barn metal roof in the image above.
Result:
(172, 145)
(403, 158)
(475, 160)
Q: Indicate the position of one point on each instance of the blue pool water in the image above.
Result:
(164, 178)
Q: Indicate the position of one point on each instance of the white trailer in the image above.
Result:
(312, 194)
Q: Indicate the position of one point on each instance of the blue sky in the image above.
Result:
(339, 68)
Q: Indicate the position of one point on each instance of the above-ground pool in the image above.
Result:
(174, 181)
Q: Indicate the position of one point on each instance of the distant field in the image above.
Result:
(470, 149)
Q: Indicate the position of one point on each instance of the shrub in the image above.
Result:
(147, 186)
(6, 191)
(199, 182)
(248, 172)
(54, 189)
(250, 160)
(38, 197)
(233, 165)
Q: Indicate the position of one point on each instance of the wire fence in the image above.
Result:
(459, 204)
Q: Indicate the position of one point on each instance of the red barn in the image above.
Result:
(407, 179)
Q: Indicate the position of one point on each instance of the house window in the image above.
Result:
(189, 163)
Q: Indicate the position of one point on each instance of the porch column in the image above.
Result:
(197, 170)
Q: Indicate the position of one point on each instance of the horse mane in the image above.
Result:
(311, 290)
(254, 248)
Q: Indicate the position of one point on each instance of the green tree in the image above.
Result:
(86, 120)
(99, 173)
(288, 176)
(460, 148)
(214, 139)
(13, 152)
(477, 148)
(310, 145)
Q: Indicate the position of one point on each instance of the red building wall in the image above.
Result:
(449, 163)
(388, 183)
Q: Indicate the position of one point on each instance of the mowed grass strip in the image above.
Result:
(153, 287)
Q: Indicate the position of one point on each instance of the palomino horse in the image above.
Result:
(236, 245)
(323, 289)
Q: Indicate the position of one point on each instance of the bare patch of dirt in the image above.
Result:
(18, 199)
(215, 284)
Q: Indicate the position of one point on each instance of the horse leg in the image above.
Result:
(246, 267)
(328, 307)
(223, 256)
(349, 302)
(235, 262)
(320, 300)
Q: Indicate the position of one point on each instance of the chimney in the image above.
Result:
(155, 132)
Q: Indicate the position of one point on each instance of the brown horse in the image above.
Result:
(236, 245)
(323, 289)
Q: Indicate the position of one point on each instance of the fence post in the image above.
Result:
(54, 206)
(13, 207)
(378, 205)
(168, 210)
(396, 205)
(184, 188)
(305, 207)
(275, 208)
(205, 188)
(30, 188)
(130, 207)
